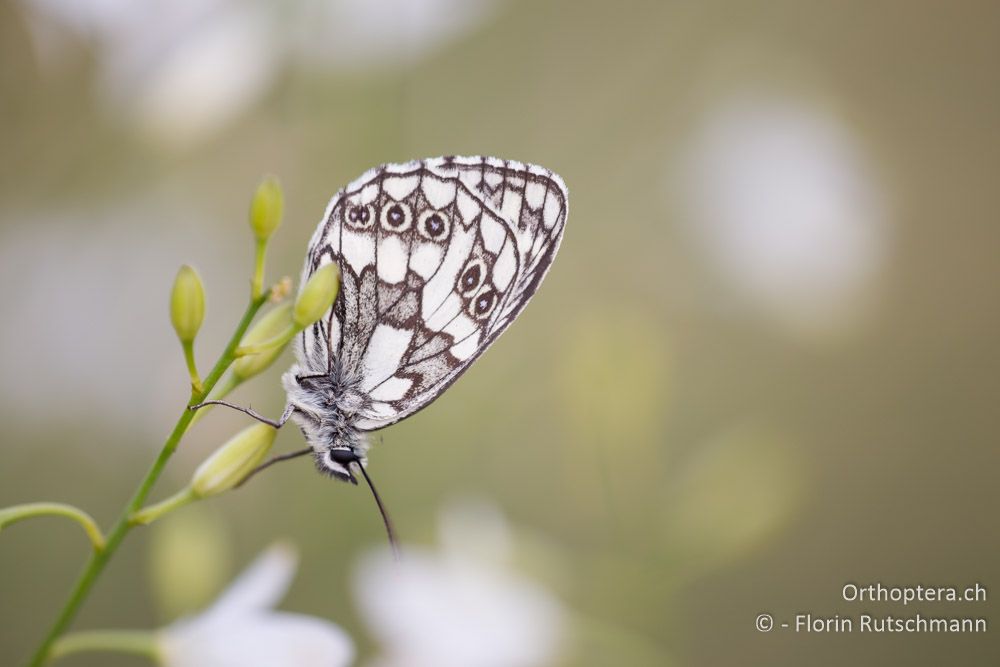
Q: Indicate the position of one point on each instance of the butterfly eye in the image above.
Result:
(343, 456)
(483, 304)
(472, 277)
(433, 226)
(359, 216)
(396, 217)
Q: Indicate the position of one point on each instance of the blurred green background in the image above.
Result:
(763, 365)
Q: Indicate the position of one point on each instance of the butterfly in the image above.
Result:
(437, 258)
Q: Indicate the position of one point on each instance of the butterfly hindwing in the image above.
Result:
(437, 258)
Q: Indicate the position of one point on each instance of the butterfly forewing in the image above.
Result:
(437, 258)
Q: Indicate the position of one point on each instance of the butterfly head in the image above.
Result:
(340, 462)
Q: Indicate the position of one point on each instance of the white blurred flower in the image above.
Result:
(360, 34)
(461, 606)
(241, 630)
(183, 69)
(221, 68)
(784, 200)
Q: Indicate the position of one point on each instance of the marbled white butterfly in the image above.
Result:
(437, 258)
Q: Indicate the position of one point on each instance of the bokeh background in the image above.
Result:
(763, 365)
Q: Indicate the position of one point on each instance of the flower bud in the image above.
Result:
(266, 208)
(187, 304)
(317, 295)
(270, 326)
(233, 461)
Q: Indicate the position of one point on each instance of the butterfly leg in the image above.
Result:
(274, 459)
(289, 409)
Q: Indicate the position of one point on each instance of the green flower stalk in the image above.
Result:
(9, 515)
(134, 642)
(187, 312)
(265, 216)
(187, 308)
(148, 515)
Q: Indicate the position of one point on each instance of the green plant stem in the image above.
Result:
(122, 526)
(136, 642)
(257, 284)
(220, 391)
(9, 515)
(196, 385)
(151, 513)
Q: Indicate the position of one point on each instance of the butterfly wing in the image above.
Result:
(437, 258)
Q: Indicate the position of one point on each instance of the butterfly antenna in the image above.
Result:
(390, 532)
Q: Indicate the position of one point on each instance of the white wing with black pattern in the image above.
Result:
(437, 258)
